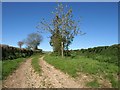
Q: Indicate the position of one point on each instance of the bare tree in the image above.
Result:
(33, 40)
(64, 23)
(20, 44)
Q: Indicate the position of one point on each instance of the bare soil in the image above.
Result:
(25, 77)
(55, 78)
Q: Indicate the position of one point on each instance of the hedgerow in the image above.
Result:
(9, 52)
(108, 54)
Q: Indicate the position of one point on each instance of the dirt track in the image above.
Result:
(56, 78)
(25, 77)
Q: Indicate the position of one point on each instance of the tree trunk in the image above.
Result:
(62, 49)
(35, 48)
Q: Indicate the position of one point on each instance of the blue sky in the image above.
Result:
(98, 20)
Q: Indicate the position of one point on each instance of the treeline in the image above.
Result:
(9, 52)
(108, 54)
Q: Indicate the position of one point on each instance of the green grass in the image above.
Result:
(35, 63)
(85, 65)
(93, 84)
(9, 66)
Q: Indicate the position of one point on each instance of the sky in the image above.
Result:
(99, 20)
(60, 0)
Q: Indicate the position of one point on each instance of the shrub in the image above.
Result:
(109, 54)
(9, 52)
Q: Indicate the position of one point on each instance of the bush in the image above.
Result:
(109, 54)
(9, 52)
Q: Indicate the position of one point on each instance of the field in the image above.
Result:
(83, 68)
(79, 64)
(60, 44)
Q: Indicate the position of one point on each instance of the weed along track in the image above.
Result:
(26, 77)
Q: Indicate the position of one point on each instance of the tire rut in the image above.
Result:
(23, 77)
(56, 78)
(26, 77)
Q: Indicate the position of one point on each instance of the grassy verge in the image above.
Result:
(9, 66)
(93, 84)
(35, 63)
(86, 65)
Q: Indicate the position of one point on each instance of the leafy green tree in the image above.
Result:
(66, 27)
(55, 42)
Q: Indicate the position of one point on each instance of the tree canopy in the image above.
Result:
(33, 40)
(62, 27)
